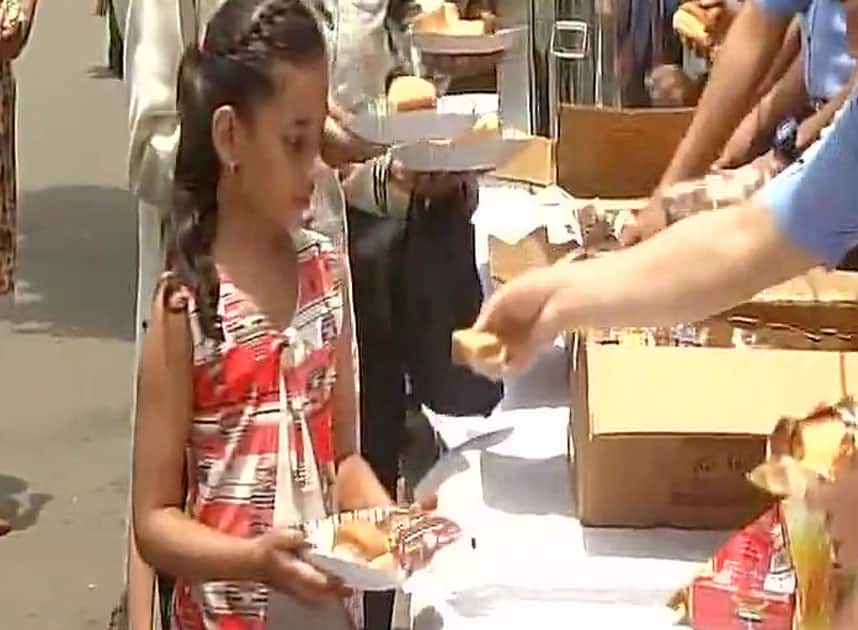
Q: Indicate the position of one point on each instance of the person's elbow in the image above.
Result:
(143, 520)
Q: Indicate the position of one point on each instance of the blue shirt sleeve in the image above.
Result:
(815, 201)
(785, 8)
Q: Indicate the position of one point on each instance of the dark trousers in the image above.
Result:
(115, 49)
(414, 283)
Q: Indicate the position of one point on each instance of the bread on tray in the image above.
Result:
(446, 20)
(409, 93)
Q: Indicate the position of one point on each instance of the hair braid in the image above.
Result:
(233, 67)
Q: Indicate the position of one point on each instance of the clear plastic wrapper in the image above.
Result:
(815, 449)
(409, 541)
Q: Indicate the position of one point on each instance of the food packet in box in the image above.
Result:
(805, 451)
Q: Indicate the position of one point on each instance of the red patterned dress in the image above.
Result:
(260, 447)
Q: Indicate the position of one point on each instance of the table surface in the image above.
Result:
(534, 564)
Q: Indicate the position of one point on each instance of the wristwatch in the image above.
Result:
(785, 142)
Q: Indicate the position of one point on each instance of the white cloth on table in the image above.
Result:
(533, 560)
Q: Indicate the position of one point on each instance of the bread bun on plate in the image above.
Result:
(446, 20)
(409, 93)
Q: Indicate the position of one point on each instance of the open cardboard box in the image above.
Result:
(663, 436)
(612, 158)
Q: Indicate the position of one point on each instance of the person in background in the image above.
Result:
(16, 23)
(250, 329)
(411, 247)
(117, 11)
(744, 59)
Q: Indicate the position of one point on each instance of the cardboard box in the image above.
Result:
(610, 158)
(536, 164)
(612, 153)
(663, 436)
(508, 260)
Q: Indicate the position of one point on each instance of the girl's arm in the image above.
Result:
(167, 538)
(357, 485)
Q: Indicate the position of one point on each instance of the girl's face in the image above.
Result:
(278, 150)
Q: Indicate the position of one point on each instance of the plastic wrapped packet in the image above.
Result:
(806, 451)
(749, 583)
(412, 539)
(712, 192)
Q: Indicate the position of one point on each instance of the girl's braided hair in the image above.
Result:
(233, 65)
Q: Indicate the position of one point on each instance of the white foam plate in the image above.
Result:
(353, 574)
(457, 157)
(356, 575)
(475, 104)
(443, 44)
(409, 127)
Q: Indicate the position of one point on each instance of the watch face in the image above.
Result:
(786, 138)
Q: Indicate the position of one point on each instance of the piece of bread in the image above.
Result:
(691, 23)
(467, 28)
(408, 93)
(486, 127)
(446, 20)
(437, 20)
(385, 562)
(482, 352)
(488, 122)
(362, 539)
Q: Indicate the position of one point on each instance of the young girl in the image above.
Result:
(246, 393)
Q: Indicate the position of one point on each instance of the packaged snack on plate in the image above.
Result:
(377, 549)
(815, 449)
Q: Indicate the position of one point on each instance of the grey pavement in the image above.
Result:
(65, 347)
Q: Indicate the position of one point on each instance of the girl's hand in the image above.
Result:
(283, 570)
(524, 316)
(340, 146)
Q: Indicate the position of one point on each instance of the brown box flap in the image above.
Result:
(616, 153)
(815, 301)
(709, 391)
(535, 164)
(817, 285)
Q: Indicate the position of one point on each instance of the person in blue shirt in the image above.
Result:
(705, 264)
(742, 62)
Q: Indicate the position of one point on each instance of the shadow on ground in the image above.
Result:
(78, 253)
(18, 504)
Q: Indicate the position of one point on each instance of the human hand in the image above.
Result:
(340, 146)
(645, 223)
(716, 16)
(281, 568)
(743, 145)
(15, 22)
(524, 315)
